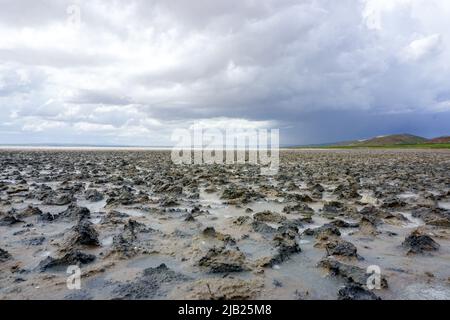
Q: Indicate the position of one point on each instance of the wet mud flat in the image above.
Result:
(141, 227)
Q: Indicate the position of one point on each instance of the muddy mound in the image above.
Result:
(301, 208)
(225, 289)
(211, 233)
(75, 212)
(58, 199)
(83, 234)
(132, 240)
(239, 194)
(29, 212)
(342, 248)
(324, 232)
(286, 245)
(356, 292)
(4, 255)
(352, 274)
(262, 228)
(93, 195)
(344, 224)
(73, 257)
(268, 216)
(10, 219)
(433, 216)
(417, 242)
(221, 260)
(151, 284)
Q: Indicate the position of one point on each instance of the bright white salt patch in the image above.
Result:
(45, 254)
(132, 212)
(346, 232)
(444, 205)
(107, 241)
(312, 227)
(413, 222)
(408, 195)
(96, 220)
(369, 199)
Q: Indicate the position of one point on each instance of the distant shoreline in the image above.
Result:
(392, 146)
(306, 148)
(43, 147)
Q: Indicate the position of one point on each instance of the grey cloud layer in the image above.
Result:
(134, 70)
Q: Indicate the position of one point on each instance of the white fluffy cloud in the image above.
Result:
(132, 71)
(422, 48)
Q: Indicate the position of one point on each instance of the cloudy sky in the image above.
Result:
(130, 72)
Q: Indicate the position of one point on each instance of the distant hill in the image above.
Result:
(391, 141)
(394, 139)
(440, 140)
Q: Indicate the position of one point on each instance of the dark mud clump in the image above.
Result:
(210, 232)
(433, 216)
(59, 200)
(356, 292)
(238, 194)
(4, 255)
(342, 248)
(324, 232)
(93, 195)
(127, 244)
(123, 246)
(83, 233)
(73, 257)
(47, 217)
(225, 289)
(393, 203)
(368, 226)
(262, 228)
(150, 285)
(37, 241)
(300, 208)
(29, 212)
(286, 245)
(417, 242)
(75, 212)
(352, 274)
(221, 260)
(268, 216)
(344, 224)
(11, 218)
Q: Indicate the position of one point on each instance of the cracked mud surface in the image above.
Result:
(141, 227)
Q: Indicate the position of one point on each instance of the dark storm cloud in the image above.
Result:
(314, 128)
